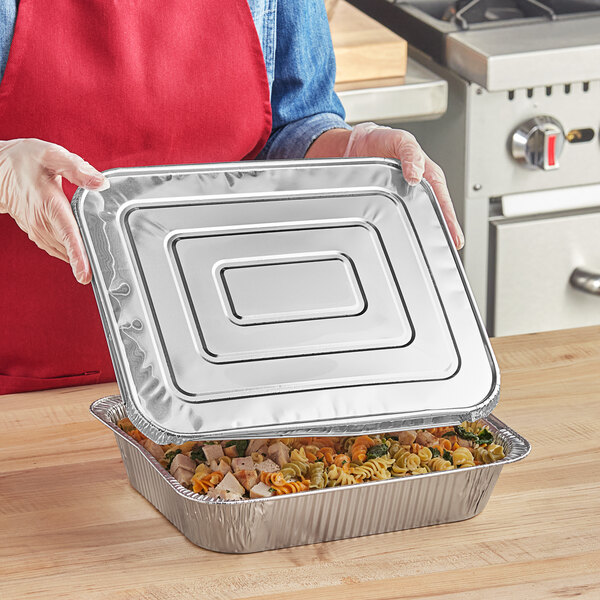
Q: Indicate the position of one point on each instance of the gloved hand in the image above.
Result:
(369, 139)
(31, 173)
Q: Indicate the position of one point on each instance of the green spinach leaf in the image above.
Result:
(198, 454)
(485, 437)
(240, 445)
(377, 451)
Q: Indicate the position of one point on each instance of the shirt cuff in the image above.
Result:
(294, 139)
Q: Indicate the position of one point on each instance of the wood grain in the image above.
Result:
(72, 527)
(364, 49)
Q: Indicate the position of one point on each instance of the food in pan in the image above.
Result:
(236, 469)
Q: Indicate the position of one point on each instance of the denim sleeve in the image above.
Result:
(8, 18)
(303, 101)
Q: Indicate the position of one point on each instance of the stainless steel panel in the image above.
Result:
(421, 95)
(242, 526)
(470, 142)
(550, 201)
(269, 299)
(535, 259)
(494, 117)
(527, 55)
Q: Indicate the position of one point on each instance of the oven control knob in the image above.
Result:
(537, 143)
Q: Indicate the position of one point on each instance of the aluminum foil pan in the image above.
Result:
(275, 299)
(240, 526)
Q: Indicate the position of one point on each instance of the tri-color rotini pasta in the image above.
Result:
(238, 469)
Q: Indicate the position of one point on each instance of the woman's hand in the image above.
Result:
(31, 173)
(368, 139)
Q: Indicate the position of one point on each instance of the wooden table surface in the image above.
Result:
(72, 527)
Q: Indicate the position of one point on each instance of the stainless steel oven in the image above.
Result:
(520, 147)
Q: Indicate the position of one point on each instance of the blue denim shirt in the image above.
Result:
(296, 44)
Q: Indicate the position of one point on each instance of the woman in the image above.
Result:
(145, 83)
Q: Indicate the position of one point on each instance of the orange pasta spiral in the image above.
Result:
(311, 457)
(201, 485)
(442, 444)
(280, 486)
(327, 453)
(342, 460)
(414, 448)
(360, 446)
(275, 479)
(290, 487)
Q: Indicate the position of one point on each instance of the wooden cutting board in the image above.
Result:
(365, 50)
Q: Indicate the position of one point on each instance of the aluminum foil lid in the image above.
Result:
(274, 299)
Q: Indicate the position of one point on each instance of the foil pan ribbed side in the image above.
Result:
(316, 516)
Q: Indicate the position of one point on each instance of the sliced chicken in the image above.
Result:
(222, 466)
(256, 446)
(183, 475)
(182, 460)
(261, 490)
(231, 451)
(406, 437)
(154, 449)
(230, 484)
(213, 452)
(279, 453)
(247, 478)
(425, 438)
(267, 466)
(242, 464)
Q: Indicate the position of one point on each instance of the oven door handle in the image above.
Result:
(585, 281)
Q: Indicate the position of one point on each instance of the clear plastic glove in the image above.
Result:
(31, 173)
(369, 139)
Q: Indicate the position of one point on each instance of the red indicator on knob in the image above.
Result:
(551, 150)
(538, 143)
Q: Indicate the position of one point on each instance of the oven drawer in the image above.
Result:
(534, 260)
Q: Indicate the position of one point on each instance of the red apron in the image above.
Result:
(121, 83)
